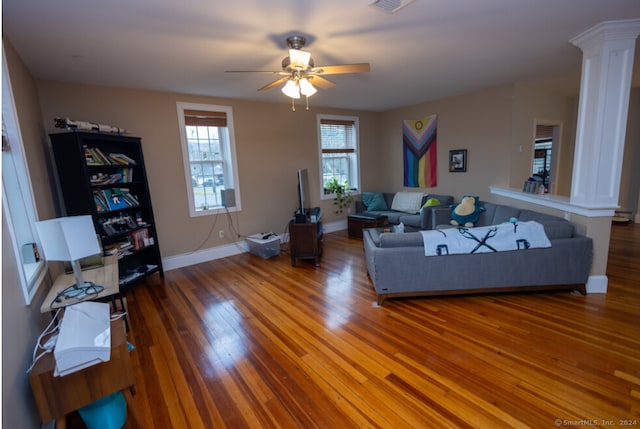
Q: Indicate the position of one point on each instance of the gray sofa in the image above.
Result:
(397, 265)
(411, 221)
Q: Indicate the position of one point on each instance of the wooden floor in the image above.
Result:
(243, 342)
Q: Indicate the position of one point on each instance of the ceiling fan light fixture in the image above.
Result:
(306, 88)
(299, 59)
(291, 89)
(390, 6)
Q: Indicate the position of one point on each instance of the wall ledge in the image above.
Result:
(558, 202)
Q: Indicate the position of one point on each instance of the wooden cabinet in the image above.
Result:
(305, 241)
(103, 175)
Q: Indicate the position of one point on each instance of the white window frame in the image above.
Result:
(30, 275)
(231, 158)
(356, 126)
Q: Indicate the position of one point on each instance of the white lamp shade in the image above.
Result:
(68, 238)
(299, 59)
(291, 89)
(306, 88)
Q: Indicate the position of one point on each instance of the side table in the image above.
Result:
(305, 241)
(58, 396)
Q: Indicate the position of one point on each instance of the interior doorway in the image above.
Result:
(546, 147)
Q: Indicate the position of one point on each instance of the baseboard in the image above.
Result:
(186, 259)
(597, 284)
(334, 226)
(199, 256)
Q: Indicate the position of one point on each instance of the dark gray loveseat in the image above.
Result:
(397, 264)
(412, 221)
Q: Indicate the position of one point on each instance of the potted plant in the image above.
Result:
(342, 193)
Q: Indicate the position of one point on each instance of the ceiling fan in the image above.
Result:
(299, 73)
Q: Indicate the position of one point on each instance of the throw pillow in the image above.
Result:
(408, 202)
(374, 201)
(431, 202)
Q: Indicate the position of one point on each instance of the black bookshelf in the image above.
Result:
(103, 175)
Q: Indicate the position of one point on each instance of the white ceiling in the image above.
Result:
(428, 50)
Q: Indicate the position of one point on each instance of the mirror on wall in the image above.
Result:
(546, 147)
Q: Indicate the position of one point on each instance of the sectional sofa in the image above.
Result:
(413, 221)
(398, 267)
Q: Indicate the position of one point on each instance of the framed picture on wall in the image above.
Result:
(458, 161)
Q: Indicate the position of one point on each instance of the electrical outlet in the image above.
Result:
(221, 233)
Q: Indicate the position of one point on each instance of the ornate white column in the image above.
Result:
(607, 65)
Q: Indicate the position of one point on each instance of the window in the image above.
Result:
(338, 136)
(208, 150)
(18, 207)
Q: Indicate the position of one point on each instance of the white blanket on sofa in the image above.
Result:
(496, 238)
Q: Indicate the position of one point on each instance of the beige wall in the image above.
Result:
(529, 104)
(479, 122)
(496, 126)
(630, 180)
(272, 143)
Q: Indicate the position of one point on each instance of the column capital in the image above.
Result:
(627, 29)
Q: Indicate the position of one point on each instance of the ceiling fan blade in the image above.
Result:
(343, 68)
(274, 83)
(321, 82)
(254, 71)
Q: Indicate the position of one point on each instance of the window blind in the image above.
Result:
(205, 118)
(337, 135)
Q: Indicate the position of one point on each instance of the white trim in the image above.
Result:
(597, 284)
(218, 252)
(356, 125)
(236, 248)
(29, 285)
(607, 67)
(554, 201)
(180, 108)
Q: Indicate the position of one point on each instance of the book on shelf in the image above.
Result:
(121, 249)
(114, 199)
(101, 205)
(130, 199)
(141, 239)
(122, 159)
(94, 156)
(89, 157)
(124, 175)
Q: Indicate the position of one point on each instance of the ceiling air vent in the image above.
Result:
(390, 6)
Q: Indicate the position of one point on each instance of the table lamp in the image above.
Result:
(69, 239)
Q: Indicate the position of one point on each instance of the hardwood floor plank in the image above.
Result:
(244, 342)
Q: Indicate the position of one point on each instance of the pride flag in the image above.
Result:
(419, 146)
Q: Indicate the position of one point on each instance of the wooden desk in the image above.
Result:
(58, 396)
(106, 276)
